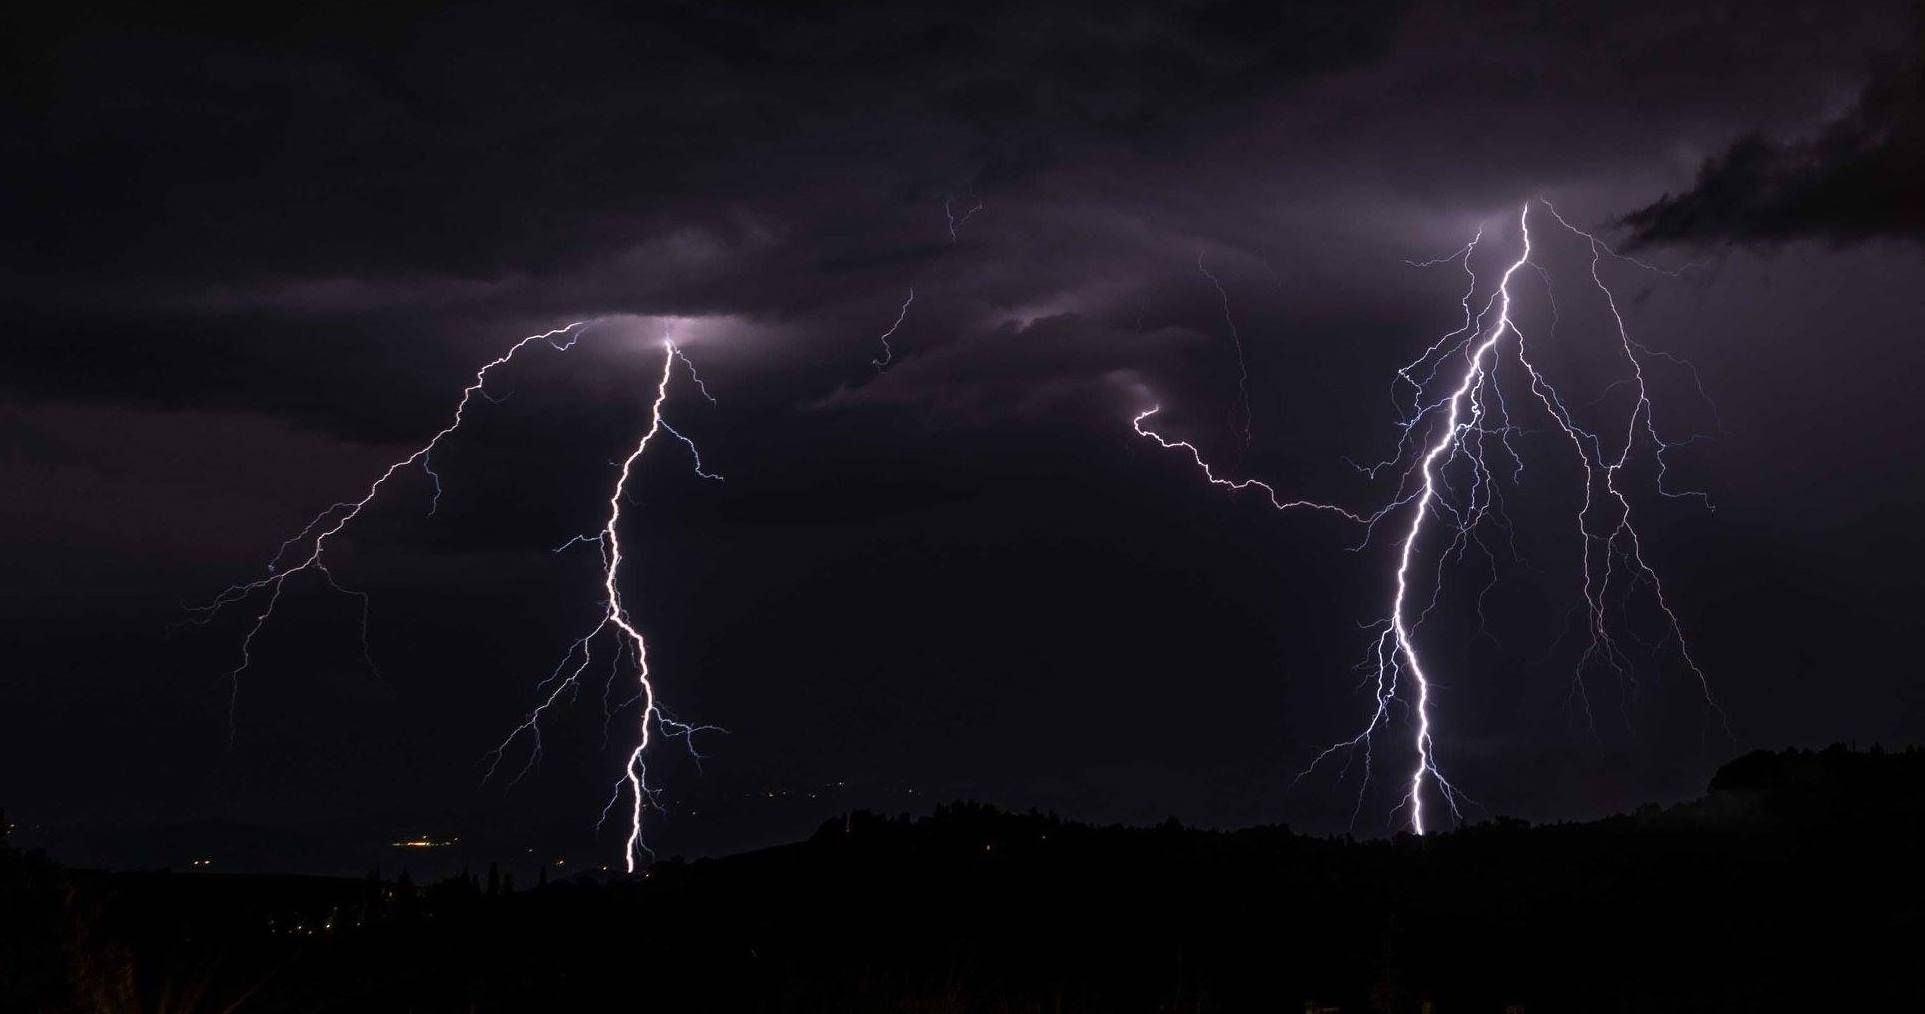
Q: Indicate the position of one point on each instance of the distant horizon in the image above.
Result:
(447, 857)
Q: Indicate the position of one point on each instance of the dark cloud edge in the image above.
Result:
(1861, 177)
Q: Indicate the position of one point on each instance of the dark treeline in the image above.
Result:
(1792, 884)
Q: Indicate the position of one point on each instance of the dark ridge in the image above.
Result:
(1793, 883)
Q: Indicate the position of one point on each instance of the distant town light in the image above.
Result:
(425, 842)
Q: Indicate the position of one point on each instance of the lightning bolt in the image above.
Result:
(888, 352)
(1465, 426)
(630, 642)
(307, 549)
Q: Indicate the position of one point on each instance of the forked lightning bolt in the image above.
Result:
(1465, 424)
(311, 542)
(629, 639)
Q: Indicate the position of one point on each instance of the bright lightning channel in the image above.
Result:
(633, 782)
(1463, 422)
(310, 545)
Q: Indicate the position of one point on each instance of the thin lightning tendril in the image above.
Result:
(1236, 338)
(888, 351)
(1465, 427)
(956, 222)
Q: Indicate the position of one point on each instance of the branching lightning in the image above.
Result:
(1464, 425)
(629, 640)
(311, 543)
(1453, 420)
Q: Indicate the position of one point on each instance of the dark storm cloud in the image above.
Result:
(1861, 177)
(486, 138)
(204, 203)
(992, 377)
(210, 204)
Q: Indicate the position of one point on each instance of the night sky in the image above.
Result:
(250, 257)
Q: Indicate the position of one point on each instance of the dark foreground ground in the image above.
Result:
(1793, 884)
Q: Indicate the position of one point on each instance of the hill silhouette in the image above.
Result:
(1793, 883)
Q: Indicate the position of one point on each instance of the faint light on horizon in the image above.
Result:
(425, 842)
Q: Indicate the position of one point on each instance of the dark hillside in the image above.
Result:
(1791, 884)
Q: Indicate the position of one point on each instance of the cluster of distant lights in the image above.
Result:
(301, 929)
(426, 843)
